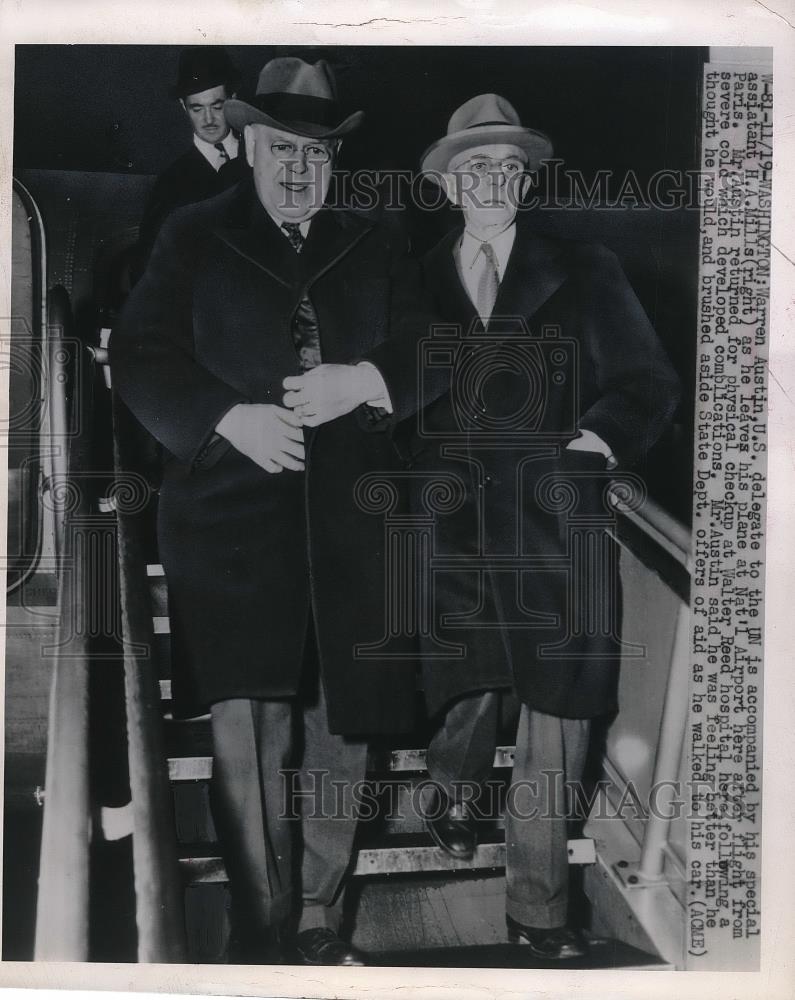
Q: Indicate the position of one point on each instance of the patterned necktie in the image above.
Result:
(293, 231)
(222, 152)
(488, 283)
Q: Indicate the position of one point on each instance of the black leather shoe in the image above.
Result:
(321, 946)
(551, 943)
(454, 829)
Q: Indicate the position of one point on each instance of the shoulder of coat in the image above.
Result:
(442, 249)
(186, 162)
(191, 224)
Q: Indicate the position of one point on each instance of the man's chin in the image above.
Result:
(496, 215)
(298, 210)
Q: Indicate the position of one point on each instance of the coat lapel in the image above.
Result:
(442, 271)
(333, 234)
(248, 229)
(535, 271)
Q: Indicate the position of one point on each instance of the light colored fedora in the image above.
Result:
(484, 120)
(297, 97)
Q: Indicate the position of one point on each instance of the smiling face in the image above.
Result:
(291, 172)
(205, 112)
(488, 183)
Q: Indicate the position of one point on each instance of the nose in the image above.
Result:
(207, 116)
(298, 164)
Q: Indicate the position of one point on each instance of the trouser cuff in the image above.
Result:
(535, 914)
(317, 915)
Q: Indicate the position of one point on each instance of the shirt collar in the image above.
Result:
(302, 226)
(502, 245)
(210, 153)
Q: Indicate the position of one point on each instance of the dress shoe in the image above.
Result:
(551, 943)
(321, 946)
(453, 830)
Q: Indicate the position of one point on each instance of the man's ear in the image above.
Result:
(183, 105)
(249, 141)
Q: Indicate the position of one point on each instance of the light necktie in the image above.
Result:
(294, 235)
(488, 283)
(222, 152)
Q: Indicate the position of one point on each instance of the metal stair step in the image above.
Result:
(404, 855)
(603, 953)
(199, 768)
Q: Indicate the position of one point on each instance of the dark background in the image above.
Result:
(95, 124)
(107, 107)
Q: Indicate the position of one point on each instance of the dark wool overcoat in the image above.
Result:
(568, 348)
(250, 557)
(190, 178)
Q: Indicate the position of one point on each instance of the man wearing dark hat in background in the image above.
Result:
(275, 575)
(205, 79)
(560, 377)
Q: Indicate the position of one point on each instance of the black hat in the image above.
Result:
(203, 67)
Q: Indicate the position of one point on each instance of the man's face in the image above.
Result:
(291, 173)
(205, 112)
(488, 182)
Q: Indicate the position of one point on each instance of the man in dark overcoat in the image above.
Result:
(557, 377)
(272, 568)
(206, 78)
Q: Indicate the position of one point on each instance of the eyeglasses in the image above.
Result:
(481, 166)
(312, 152)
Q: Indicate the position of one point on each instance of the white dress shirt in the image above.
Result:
(471, 260)
(212, 155)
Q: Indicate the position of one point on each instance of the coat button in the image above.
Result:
(488, 481)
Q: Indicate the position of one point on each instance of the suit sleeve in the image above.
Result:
(152, 350)
(639, 389)
(399, 357)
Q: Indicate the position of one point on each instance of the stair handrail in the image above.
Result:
(62, 910)
(675, 539)
(158, 887)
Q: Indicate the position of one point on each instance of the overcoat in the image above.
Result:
(251, 558)
(190, 178)
(568, 348)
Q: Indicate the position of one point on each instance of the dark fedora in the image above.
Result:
(482, 121)
(203, 67)
(297, 97)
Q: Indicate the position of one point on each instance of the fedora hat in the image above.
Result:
(485, 120)
(296, 96)
(203, 67)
